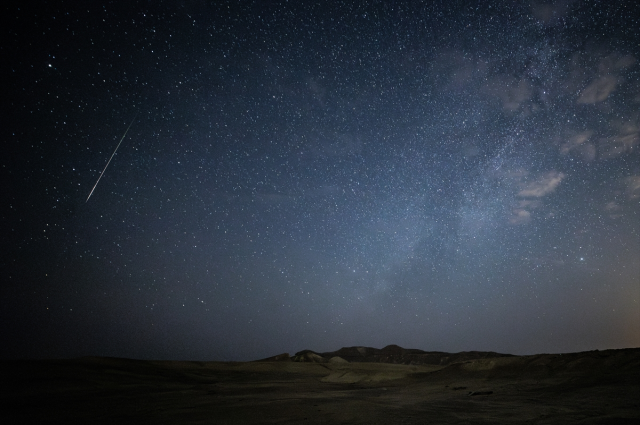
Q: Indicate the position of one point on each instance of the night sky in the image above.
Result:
(448, 176)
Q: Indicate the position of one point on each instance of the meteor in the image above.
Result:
(114, 152)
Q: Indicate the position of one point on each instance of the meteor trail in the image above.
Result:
(114, 152)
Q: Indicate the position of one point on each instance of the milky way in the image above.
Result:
(304, 175)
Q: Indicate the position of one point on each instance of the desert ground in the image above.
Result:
(596, 387)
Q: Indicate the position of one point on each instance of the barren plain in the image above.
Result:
(596, 387)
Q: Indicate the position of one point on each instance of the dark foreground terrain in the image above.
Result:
(598, 387)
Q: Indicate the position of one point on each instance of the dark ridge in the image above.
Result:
(394, 354)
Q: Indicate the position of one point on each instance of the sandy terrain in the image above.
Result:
(600, 387)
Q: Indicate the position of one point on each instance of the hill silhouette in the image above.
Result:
(393, 354)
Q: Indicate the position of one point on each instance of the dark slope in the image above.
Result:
(390, 354)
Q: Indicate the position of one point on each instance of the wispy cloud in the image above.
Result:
(613, 209)
(617, 145)
(530, 194)
(520, 216)
(598, 90)
(632, 184)
(575, 141)
(521, 213)
(626, 139)
(602, 86)
(580, 146)
(542, 186)
(615, 62)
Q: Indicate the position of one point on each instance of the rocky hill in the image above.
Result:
(390, 354)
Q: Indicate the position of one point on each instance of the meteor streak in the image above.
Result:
(114, 152)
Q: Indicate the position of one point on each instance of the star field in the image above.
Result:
(302, 175)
